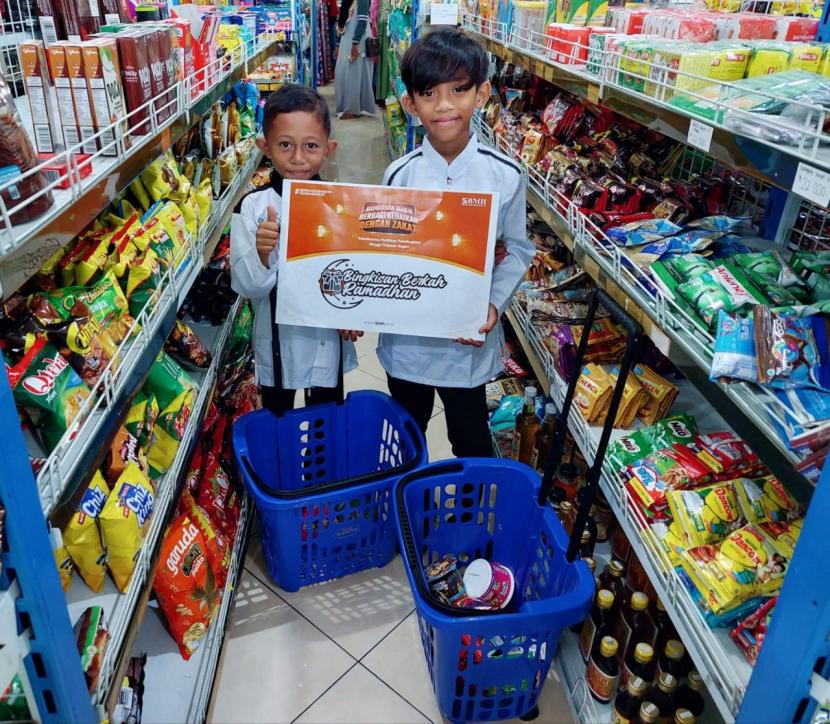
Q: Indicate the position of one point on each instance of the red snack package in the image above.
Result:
(218, 546)
(185, 585)
(214, 493)
(194, 473)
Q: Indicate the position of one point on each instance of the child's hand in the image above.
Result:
(267, 236)
(350, 335)
(501, 252)
(492, 320)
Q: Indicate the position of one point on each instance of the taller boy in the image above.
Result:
(445, 73)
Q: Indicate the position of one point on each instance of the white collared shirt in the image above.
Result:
(310, 356)
(442, 362)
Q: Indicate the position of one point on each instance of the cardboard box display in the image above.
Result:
(184, 54)
(84, 111)
(103, 77)
(59, 70)
(135, 70)
(41, 95)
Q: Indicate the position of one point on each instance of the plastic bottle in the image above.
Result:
(638, 662)
(634, 625)
(690, 694)
(603, 671)
(662, 696)
(544, 439)
(612, 580)
(526, 425)
(648, 714)
(628, 701)
(670, 660)
(598, 624)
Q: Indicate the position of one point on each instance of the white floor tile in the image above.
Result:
(367, 344)
(370, 364)
(357, 611)
(276, 663)
(359, 380)
(360, 698)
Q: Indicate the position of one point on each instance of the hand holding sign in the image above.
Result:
(267, 236)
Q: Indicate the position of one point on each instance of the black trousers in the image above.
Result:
(280, 401)
(465, 410)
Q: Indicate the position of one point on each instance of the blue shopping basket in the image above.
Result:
(321, 479)
(488, 665)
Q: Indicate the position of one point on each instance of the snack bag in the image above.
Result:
(94, 258)
(720, 288)
(627, 450)
(171, 218)
(82, 538)
(643, 232)
(217, 547)
(214, 494)
(169, 430)
(634, 397)
(123, 520)
(186, 348)
(734, 356)
(161, 243)
(593, 393)
(789, 349)
(660, 394)
(776, 501)
(185, 585)
(203, 193)
(142, 281)
(62, 559)
(707, 514)
(141, 418)
(124, 449)
(91, 637)
(163, 180)
(167, 380)
(44, 383)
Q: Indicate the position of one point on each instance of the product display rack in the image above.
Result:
(35, 617)
(392, 58)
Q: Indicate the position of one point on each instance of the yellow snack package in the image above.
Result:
(163, 180)
(634, 397)
(728, 63)
(190, 213)
(141, 195)
(171, 218)
(160, 242)
(768, 59)
(806, 56)
(593, 392)
(82, 538)
(146, 271)
(169, 430)
(140, 238)
(62, 559)
(123, 522)
(779, 505)
(204, 198)
(705, 515)
(94, 259)
(123, 251)
(661, 394)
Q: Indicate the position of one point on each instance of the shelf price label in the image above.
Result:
(700, 135)
(812, 184)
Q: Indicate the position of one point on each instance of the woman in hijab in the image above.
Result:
(353, 72)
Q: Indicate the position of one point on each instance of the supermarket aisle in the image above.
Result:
(349, 650)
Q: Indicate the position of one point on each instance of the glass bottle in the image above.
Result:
(620, 547)
(634, 626)
(628, 701)
(598, 624)
(663, 627)
(648, 714)
(604, 517)
(544, 439)
(603, 671)
(612, 580)
(638, 662)
(586, 545)
(590, 523)
(684, 716)
(670, 659)
(662, 696)
(566, 515)
(566, 479)
(592, 566)
(690, 694)
(526, 425)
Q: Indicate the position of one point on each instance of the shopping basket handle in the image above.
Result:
(634, 333)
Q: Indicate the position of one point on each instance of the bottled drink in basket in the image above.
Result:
(603, 670)
(629, 701)
(600, 623)
(544, 439)
(526, 425)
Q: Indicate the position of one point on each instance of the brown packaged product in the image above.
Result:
(124, 449)
(167, 38)
(110, 11)
(68, 12)
(17, 156)
(41, 95)
(661, 392)
(593, 392)
(89, 17)
(157, 75)
(103, 77)
(59, 70)
(84, 112)
(135, 70)
(51, 27)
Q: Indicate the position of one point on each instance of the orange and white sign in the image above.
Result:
(385, 259)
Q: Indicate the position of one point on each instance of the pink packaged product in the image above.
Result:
(747, 26)
(695, 27)
(802, 30)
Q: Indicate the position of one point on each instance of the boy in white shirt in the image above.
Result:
(297, 128)
(445, 73)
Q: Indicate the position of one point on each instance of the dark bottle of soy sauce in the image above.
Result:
(629, 701)
(603, 670)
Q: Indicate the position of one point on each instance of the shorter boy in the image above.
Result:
(296, 128)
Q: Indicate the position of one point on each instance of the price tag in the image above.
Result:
(443, 13)
(700, 135)
(812, 184)
(593, 94)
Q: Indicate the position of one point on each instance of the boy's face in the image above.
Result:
(297, 144)
(446, 109)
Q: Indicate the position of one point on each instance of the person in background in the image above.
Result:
(353, 72)
(297, 128)
(334, 11)
(445, 73)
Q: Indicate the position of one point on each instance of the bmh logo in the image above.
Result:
(332, 285)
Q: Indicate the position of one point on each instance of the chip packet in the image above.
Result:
(123, 520)
(214, 495)
(82, 538)
(169, 431)
(124, 449)
(186, 348)
(167, 380)
(185, 585)
(141, 418)
(217, 546)
(62, 559)
(91, 637)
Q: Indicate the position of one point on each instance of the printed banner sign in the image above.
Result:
(385, 259)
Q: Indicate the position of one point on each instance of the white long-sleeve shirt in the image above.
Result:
(310, 356)
(442, 362)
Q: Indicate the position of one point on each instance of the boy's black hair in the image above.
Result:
(441, 56)
(291, 98)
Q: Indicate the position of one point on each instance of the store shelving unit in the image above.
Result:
(36, 639)
(392, 58)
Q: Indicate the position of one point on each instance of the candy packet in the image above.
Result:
(734, 356)
(720, 288)
(643, 232)
(792, 350)
(82, 538)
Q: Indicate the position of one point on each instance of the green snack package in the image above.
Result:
(679, 269)
(44, 383)
(663, 434)
(141, 419)
(720, 288)
(142, 281)
(167, 380)
(169, 430)
(13, 706)
(767, 266)
(240, 337)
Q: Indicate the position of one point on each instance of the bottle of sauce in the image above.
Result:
(690, 695)
(620, 547)
(603, 670)
(590, 523)
(544, 439)
(526, 426)
(639, 662)
(612, 580)
(684, 716)
(598, 624)
(586, 545)
(629, 701)
(662, 696)
(592, 566)
(663, 627)
(648, 714)
(566, 479)
(634, 626)
(566, 515)
(670, 660)
(636, 577)
(604, 517)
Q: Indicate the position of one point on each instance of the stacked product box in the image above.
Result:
(41, 96)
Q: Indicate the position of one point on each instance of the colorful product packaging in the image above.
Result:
(59, 70)
(103, 77)
(84, 110)
(41, 95)
(135, 67)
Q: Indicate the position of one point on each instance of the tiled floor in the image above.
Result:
(348, 650)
